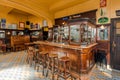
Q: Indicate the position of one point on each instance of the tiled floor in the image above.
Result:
(97, 74)
(14, 67)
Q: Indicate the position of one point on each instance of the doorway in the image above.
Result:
(115, 43)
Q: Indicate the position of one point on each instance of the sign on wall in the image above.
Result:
(103, 3)
(3, 23)
(103, 12)
(44, 23)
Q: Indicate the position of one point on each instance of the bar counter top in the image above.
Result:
(61, 45)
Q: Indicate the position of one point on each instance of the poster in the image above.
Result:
(3, 23)
(103, 19)
(103, 3)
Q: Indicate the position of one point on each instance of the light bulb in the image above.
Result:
(8, 33)
(102, 27)
(63, 23)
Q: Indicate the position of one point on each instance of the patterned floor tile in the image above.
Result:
(13, 66)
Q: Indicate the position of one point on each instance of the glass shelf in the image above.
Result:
(75, 34)
(102, 33)
(83, 33)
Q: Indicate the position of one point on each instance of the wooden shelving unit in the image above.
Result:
(5, 35)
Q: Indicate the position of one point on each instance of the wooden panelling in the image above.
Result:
(90, 14)
(104, 45)
(19, 41)
(82, 58)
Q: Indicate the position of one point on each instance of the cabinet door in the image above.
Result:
(2, 34)
(102, 33)
(84, 34)
(75, 34)
(115, 44)
(14, 33)
(93, 35)
(66, 32)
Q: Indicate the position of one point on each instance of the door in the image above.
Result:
(115, 43)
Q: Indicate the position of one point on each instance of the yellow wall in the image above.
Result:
(17, 17)
(87, 6)
(34, 20)
(112, 6)
(13, 18)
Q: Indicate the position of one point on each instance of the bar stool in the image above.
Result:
(43, 60)
(30, 55)
(64, 65)
(52, 64)
(35, 58)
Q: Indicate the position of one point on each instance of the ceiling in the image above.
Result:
(52, 5)
(19, 12)
(43, 8)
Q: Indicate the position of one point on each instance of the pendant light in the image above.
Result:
(102, 27)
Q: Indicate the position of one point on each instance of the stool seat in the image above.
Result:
(65, 58)
(43, 52)
(37, 50)
(53, 55)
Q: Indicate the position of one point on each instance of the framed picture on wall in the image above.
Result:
(103, 3)
(3, 23)
(21, 25)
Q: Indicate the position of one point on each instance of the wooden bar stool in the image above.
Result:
(30, 55)
(42, 60)
(52, 64)
(64, 65)
(35, 58)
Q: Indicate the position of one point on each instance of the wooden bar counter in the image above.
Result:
(82, 57)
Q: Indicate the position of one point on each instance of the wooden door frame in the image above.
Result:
(113, 21)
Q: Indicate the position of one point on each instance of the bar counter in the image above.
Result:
(82, 57)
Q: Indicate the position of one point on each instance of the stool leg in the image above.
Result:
(37, 68)
(52, 69)
(65, 71)
(47, 68)
(35, 64)
(30, 61)
(58, 71)
(27, 60)
(43, 67)
(44, 64)
(43, 70)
